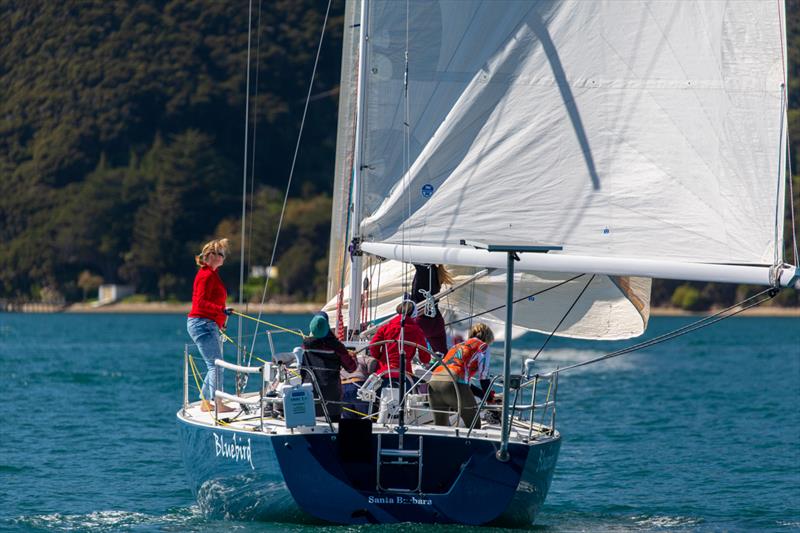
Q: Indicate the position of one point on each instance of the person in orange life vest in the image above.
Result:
(430, 278)
(208, 316)
(463, 361)
(388, 354)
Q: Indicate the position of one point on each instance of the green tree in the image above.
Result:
(88, 283)
(188, 180)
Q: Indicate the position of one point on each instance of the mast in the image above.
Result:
(355, 220)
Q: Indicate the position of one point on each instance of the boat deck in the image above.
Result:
(241, 421)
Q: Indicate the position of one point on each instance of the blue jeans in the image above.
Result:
(205, 334)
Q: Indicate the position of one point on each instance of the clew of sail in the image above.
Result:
(631, 132)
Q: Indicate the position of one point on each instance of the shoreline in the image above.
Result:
(184, 307)
(313, 307)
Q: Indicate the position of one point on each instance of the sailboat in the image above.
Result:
(557, 156)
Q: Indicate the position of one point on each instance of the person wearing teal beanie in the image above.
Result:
(319, 326)
(325, 356)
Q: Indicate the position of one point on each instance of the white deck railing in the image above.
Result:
(522, 392)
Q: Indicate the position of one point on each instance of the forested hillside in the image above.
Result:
(122, 138)
(122, 144)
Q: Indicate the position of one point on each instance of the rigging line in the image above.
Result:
(377, 292)
(778, 259)
(784, 112)
(788, 143)
(516, 301)
(372, 309)
(291, 174)
(703, 322)
(438, 296)
(253, 155)
(406, 148)
(471, 305)
(258, 320)
(780, 28)
(791, 200)
(227, 338)
(563, 317)
(244, 171)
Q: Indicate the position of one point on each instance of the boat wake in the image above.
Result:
(108, 521)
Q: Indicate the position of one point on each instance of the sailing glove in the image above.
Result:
(228, 311)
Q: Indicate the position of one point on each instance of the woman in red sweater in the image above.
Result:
(388, 354)
(208, 316)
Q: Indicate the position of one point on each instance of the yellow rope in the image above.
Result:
(299, 333)
(195, 371)
(225, 336)
(359, 413)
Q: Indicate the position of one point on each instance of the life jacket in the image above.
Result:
(461, 357)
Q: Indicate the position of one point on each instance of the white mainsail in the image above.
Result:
(631, 131)
(345, 142)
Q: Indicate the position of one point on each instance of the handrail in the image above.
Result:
(238, 399)
(547, 406)
(185, 377)
(239, 368)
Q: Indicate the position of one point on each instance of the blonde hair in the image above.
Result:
(483, 332)
(217, 245)
(445, 277)
(405, 308)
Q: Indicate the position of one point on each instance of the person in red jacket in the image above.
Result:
(388, 354)
(208, 315)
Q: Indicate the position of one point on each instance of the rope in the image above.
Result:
(195, 373)
(704, 322)
(515, 301)
(359, 413)
(243, 349)
(276, 326)
(255, 131)
(562, 320)
(291, 176)
(791, 202)
(244, 170)
(784, 111)
(779, 200)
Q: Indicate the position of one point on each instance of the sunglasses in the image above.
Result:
(219, 254)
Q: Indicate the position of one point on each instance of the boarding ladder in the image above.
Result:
(405, 460)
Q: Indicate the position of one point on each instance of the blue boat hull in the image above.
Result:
(248, 475)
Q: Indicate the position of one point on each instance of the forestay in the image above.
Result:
(616, 129)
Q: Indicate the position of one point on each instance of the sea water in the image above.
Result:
(698, 434)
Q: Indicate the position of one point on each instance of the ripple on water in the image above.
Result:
(616, 522)
(107, 521)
